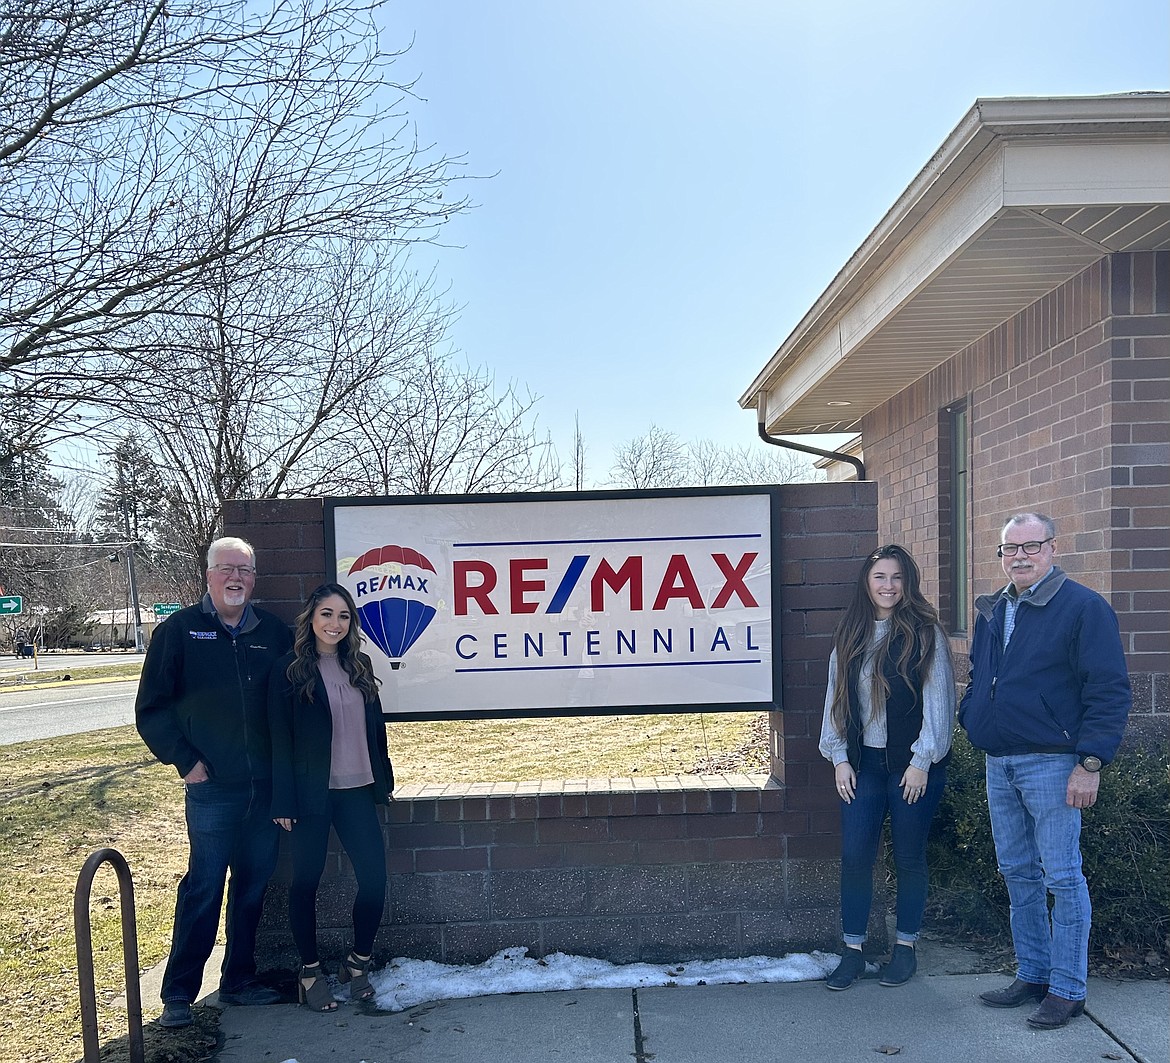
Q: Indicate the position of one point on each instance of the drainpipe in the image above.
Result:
(776, 441)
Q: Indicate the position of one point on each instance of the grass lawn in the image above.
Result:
(52, 673)
(61, 799)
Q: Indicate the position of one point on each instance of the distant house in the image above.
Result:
(1001, 341)
(114, 628)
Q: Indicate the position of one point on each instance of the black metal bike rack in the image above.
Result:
(84, 933)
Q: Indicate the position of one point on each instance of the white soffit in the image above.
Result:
(1020, 212)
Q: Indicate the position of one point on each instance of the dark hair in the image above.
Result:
(302, 672)
(912, 625)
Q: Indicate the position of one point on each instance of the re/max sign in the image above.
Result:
(565, 603)
(529, 585)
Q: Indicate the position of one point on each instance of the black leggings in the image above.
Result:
(354, 816)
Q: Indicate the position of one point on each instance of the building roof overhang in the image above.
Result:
(1023, 195)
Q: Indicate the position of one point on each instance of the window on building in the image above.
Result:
(955, 577)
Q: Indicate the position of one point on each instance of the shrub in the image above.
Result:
(1125, 842)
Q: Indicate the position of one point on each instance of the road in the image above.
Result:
(26, 715)
(57, 662)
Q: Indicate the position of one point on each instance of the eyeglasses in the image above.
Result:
(1011, 549)
(231, 570)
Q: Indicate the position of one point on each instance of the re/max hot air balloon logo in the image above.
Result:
(394, 589)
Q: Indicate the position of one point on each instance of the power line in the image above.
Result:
(46, 531)
(69, 546)
(77, 568)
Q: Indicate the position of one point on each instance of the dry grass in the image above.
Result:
(62, 799)
(572, 747)
(54, 674)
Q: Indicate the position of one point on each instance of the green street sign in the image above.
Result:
(164, 609)
(11, 605)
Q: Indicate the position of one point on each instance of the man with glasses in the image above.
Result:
(1047, 702)
(202, 707)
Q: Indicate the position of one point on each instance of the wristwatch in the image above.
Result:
(1091, 763)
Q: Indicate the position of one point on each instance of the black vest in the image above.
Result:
(903, 706)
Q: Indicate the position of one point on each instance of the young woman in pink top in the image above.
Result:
(330, 768)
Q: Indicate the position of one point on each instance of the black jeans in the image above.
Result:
(353, 814)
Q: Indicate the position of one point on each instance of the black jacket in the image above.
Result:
(903, 706)
(302, 741)
(202, 696)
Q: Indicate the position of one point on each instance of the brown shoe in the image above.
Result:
(1019, 992)
(1055, 1012)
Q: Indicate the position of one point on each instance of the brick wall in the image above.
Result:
(1067, 406)
(1139, 471)
(623, 869)
(289, 538)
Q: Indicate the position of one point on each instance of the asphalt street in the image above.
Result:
(11, 665)
(49, 711)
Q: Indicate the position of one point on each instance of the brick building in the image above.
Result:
(1001, 341)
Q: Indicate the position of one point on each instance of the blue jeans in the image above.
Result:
(877, 794)
(229, 829)
(1038, 847)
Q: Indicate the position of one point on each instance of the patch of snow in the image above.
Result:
(403, 983)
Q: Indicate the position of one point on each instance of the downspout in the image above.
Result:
(776, 441)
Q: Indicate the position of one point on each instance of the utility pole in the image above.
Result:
(113, 560)
(131, 573)
(139, 640)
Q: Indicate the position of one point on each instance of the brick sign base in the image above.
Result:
(660, 869)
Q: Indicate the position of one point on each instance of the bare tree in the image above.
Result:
(267, 372)
(709, 464)
(42, 556)
(657, 459)
(579, 449)
(762, 463)
(445, 428)
(147, 144)
(661, 459)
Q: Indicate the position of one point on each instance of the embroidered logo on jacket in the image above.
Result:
(203, 634)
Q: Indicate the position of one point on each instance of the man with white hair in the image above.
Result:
(1047, 702)
(202, 707)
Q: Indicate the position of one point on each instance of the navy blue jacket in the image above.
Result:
(1061, 686)
(203, 692)
(302, 746)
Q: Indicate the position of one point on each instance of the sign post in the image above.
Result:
(13, 605)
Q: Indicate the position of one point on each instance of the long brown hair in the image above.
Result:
(302, 672)
(912, 627)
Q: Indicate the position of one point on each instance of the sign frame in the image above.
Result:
(335, 509)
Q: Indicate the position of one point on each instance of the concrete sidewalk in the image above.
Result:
(934, 1019)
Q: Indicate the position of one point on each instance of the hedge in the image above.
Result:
(1125, 842)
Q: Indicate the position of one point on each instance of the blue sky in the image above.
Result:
(674, 183)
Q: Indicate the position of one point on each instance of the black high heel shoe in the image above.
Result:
(357, 973)
(316, 996)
